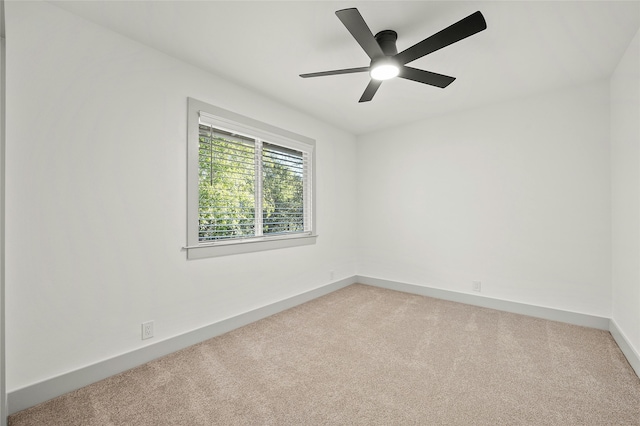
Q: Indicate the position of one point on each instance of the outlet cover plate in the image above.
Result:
(147, 330)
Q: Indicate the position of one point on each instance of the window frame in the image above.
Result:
(241, 124)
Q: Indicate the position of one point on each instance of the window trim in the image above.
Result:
(241, 124)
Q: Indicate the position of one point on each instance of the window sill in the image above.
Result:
(248, 246)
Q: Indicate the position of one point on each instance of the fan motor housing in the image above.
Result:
(387, 41)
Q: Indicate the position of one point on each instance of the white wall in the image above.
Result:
(96, 198)
(625, 186)
(515, 195)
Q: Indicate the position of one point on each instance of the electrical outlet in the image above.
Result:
(477, 286)
(147, 330)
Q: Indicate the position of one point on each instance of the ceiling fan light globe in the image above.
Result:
(384, 71)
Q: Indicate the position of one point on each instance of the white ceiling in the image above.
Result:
(528, 47)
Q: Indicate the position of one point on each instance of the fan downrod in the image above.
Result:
(387, 41)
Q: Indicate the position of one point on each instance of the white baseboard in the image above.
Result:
(631, 354)
(20, 399)
(487, 302)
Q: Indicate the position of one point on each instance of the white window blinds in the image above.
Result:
(283, 190)
(226, 204)
(250, 188)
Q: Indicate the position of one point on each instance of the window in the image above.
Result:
(250, 185)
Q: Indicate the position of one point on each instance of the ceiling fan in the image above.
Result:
(387, 63)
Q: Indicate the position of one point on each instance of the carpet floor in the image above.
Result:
(369, 356)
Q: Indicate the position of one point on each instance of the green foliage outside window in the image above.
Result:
(283, 190)
(228, 183)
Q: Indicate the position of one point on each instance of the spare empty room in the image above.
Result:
(516, 187)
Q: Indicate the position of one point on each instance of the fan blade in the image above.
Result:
(371, 90)
(335, 72)
(354, 22)
(462, 29)
(426, 77)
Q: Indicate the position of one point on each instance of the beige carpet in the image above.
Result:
(370, 356)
